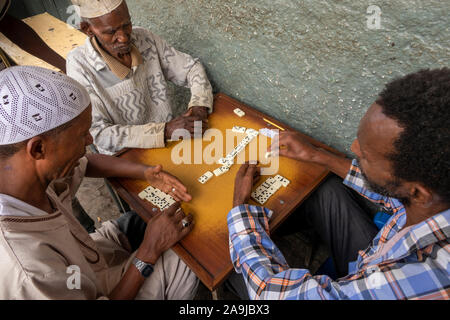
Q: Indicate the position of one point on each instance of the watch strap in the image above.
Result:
(144, 268)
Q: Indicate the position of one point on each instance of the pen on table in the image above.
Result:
(275, 125)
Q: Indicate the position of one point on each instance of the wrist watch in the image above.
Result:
(144, 268)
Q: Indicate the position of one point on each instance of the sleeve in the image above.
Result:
(109, 137)
(183, 70)
(356, 181)
(59, 285)
(268, 277)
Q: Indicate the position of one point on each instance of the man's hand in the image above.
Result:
(247, 175)
(295, 146)
(292, 145)
(186, 121)
(201, 112)
(167, 183)
(163, 232)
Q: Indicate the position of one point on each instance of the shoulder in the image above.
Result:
(77, 61)
(25, 259)
(143, 38)
(78, 53)
(141, 33)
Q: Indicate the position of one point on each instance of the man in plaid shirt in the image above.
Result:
(402, 164)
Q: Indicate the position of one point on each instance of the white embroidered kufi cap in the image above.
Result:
(96, 8)
(35, 100)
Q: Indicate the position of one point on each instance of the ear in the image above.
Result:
(421, 195)
(85, 27)
(36, 148)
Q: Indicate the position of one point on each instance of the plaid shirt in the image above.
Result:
(401, 263)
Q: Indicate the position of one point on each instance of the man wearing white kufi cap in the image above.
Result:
(45, 253)
(125, 71)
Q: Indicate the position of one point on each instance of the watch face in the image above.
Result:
(147, 271)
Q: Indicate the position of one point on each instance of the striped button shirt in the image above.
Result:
(401, 263)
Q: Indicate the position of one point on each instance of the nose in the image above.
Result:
(122, 36)
(355, 148)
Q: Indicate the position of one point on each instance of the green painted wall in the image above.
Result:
(312, 64)
(26, 8)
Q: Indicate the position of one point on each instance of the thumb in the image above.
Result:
(188, 113)
(157, 168)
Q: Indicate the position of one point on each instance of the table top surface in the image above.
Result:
(58, 35)
(206, 250)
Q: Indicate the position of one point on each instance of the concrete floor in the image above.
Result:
(97, 201)
(300, 250)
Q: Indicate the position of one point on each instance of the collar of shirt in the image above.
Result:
(388, 244)
(10, 206)
(119, 69)
(417, 239)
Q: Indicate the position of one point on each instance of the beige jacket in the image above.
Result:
(36, 250)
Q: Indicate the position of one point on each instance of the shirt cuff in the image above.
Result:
(238, 217)
(352, 174)
(147, 136)
(196, 103)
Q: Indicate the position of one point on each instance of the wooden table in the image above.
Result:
(58, 35)
(205, 250)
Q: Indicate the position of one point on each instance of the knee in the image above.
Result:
(331, 188)
(183, 282)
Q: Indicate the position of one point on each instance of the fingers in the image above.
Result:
(154, 170)
(188, 113)
(178, 215)
(172, 209)
(274, 148)
(179, 218)
(192, 126)
(177, 190)
(256, 175)
(192, 122)
(173, 181)
(180, 195)
(252, 169)
(183, 222)
(280, 144)
(174, 187)
(189, 219)
(249, 169)
(242, 170)
(285, 153)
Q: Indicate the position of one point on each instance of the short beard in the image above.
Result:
(385, 190)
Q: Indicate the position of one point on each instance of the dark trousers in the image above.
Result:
(132, 225)
(339, 216)
(84, 219)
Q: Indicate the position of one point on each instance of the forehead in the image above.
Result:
(377, 132)
(114, 19)
(84, 120)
